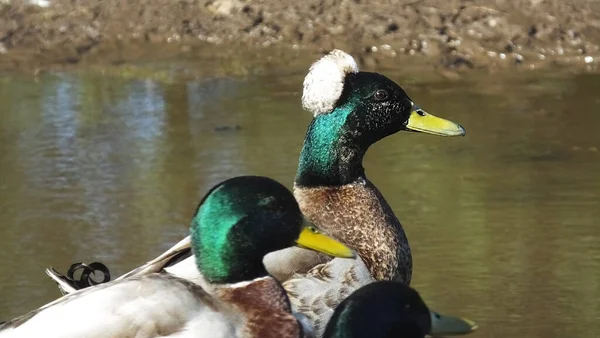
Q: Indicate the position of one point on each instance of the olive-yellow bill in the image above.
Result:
(311, 238)
(420, 120)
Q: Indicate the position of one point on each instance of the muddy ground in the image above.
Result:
(446, 34)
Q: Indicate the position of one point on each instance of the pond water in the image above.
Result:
(504, 223)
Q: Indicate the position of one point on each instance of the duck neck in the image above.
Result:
(331, 156)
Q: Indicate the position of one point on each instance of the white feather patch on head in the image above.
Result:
(324, 83)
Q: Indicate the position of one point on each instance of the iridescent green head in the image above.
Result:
(352, 110)
(242, 219)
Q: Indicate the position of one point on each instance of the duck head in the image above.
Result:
(352, 110)
(242, 219)
(378, 310)
(391, 309)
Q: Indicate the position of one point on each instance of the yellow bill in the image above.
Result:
(311, 238)
(424, 122)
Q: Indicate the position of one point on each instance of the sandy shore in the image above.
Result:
(446, 34)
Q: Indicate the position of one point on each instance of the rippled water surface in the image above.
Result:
(504, 223)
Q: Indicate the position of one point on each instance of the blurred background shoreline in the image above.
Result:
(450, 36)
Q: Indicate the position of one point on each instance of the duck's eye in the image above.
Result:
(380, 95)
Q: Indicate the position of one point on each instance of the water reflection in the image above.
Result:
(502, 222)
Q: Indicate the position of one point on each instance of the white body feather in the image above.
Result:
(150, 306)
(314, 293)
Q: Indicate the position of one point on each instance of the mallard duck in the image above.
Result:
(352, 110)
(381, 310)
(236, 224)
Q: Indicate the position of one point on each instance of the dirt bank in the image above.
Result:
(447, 34)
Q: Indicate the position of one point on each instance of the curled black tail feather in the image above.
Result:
(85, 279)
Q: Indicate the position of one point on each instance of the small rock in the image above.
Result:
(510, 47)
(392, 27)
(225, 7)
(518, 58)
(39, 3)
(336, 30)
(532, 31)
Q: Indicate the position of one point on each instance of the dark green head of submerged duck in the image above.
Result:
(352, 110)
(242, 219)
(380, 310)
